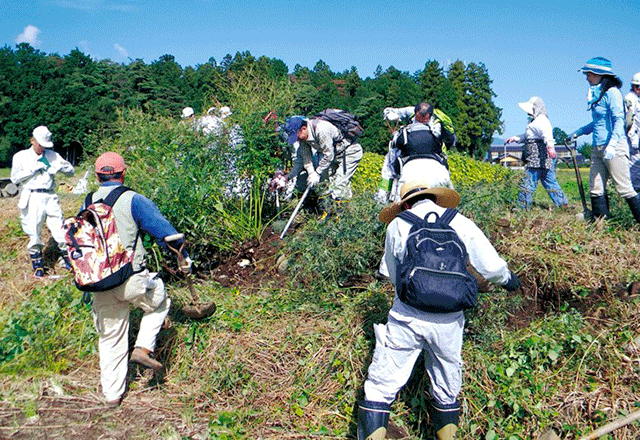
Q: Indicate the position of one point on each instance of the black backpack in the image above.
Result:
(344, 121)
(433, 276)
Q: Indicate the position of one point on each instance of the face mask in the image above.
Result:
(594, 94)
(530, 118)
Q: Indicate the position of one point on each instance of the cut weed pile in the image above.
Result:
(285, 355)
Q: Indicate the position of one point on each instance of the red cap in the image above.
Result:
(109, 163)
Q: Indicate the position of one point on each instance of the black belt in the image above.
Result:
(42, 190)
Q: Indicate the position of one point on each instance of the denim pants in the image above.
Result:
(549, 182)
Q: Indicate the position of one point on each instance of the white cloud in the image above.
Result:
(122, 50)
(29, 35)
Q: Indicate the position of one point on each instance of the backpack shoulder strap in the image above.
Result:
(448, 215)
(88, 199)
(115, 194)
(411, 218)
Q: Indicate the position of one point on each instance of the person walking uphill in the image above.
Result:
(610, 154)
(340, 157)
(437, 327)
(539, 155)
(34, 169)
(133, 213)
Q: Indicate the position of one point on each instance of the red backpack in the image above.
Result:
(98, 258)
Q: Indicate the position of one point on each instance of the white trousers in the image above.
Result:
(343, 167)
(398, 344)
(111, 319)
(35, 208)
(428, 170)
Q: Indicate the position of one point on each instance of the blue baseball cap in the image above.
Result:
(598, 65)
(291, 127)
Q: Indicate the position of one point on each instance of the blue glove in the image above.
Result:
(609, 152)
(513, 283)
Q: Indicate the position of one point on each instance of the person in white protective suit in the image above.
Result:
(34, 169)
(415, 150)
(632, 127)
(409, 330)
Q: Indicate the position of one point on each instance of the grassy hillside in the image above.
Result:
(286, 353)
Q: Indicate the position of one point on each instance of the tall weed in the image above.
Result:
(348, 243)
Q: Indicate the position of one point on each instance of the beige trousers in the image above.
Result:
(111, 319)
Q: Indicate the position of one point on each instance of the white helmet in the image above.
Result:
(636, 79)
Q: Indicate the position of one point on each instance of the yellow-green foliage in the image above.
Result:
(367, 176)
(464, 171)
(467, 171)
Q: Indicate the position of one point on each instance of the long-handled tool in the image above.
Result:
(196, 309)
(572, 151)
(295, 211)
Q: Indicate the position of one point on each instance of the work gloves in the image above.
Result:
(609, 152)
(186, 265)
(39, 166)
(513, 283)
(551, 151)
(52, 170)
(313, 179)
(572, 138)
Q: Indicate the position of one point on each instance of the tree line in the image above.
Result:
(77, 96)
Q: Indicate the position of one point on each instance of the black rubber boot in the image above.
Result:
(37, 264)
(445, 420)
(599, 207)
(634, 206)
(373, 419)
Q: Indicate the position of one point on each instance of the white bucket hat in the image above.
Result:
(42, 135)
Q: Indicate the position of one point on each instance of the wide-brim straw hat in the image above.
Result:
(445, 197)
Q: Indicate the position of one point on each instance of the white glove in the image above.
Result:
(572, 137)
(52, 170)
(609, 152)
(381, 196)
(188, 264)
(313, 179)
(39, 166)
(389, 114)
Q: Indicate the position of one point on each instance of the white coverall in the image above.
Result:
(38, 201)
(339, 158)
(409, 330)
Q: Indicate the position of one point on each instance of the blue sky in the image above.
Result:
(532, 48)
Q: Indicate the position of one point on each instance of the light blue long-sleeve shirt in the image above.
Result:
(607, 123)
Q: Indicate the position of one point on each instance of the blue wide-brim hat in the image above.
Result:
(598, 65)
(291, 127)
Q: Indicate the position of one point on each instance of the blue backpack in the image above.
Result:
(433, 276)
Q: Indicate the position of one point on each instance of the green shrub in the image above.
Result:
(466, 171)
(347, 243)
(367, 175)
